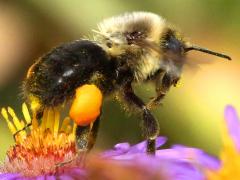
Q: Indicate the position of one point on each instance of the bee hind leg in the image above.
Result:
(86, 136)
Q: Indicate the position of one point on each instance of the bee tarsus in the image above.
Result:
(86, 135)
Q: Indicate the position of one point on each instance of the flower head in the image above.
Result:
(39, 150)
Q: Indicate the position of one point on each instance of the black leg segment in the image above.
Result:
(86, 136)
(150, 124)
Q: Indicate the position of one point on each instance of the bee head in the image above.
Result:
(139, 31)
(130, 32)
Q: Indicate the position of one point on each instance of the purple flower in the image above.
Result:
(178, 162)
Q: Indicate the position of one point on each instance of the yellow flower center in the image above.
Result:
(39, 148)
(230, 160)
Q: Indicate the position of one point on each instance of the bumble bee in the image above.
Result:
(131, 48)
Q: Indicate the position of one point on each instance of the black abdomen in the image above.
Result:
(54, 77)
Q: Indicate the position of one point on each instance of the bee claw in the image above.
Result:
(61, 164)
(80, 157)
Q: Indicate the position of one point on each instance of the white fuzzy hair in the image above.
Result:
(153, 27)
(130, 21)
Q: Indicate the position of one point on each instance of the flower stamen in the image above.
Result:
(38, 149)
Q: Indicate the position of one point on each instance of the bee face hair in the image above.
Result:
(145, 24)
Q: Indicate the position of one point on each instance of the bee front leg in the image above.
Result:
(163, 83)
(156, 101)
(150, 124)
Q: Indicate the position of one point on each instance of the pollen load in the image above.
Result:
(86, 106)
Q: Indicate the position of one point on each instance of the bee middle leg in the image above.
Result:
(150, 124)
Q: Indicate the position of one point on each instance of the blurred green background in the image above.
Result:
(192, 114)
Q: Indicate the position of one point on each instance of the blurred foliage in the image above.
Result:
(191, 114)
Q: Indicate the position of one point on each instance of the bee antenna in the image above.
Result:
(197, 48)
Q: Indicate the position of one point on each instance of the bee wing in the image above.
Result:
(193, 64)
